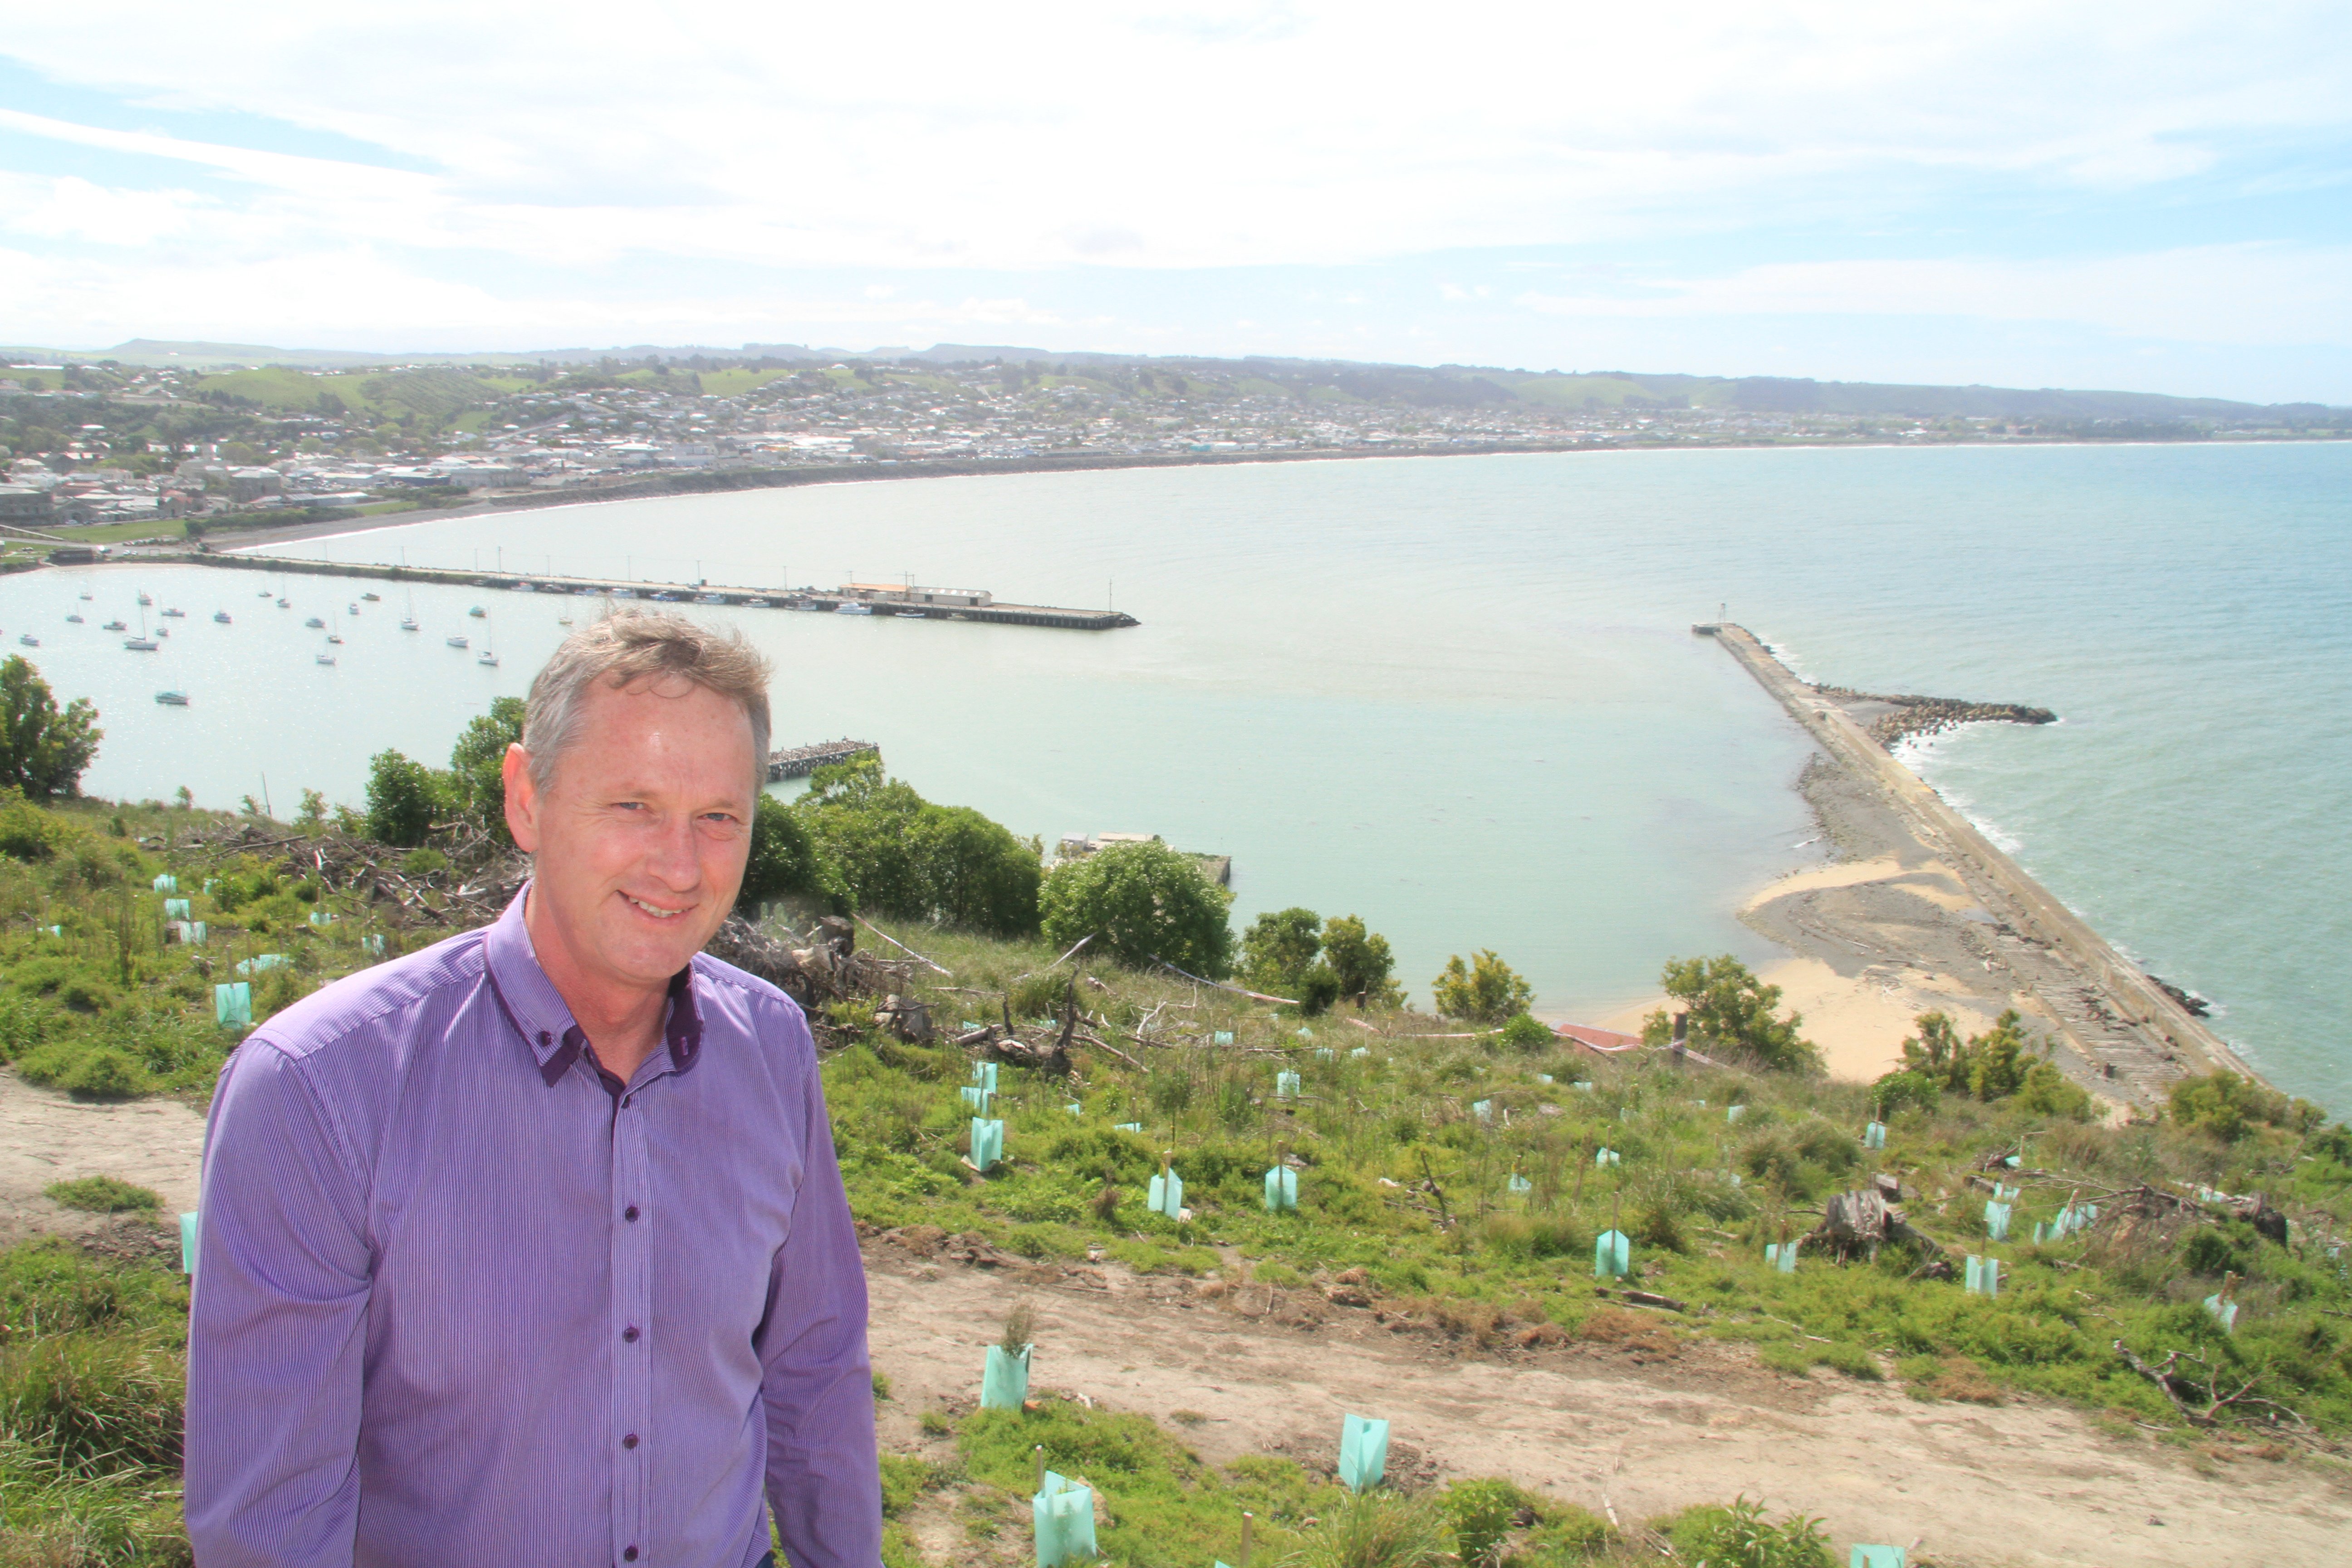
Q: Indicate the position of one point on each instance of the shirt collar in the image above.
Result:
(538, 1011)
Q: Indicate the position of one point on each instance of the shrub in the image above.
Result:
(1140, 902)
(104, 1195)
(1741, 1537)
(26, 832)
(1279, 949)
(1526, 1033)
(43, 750)
(2228, 1106)
(1730, 1009)
(784, 860)
(1481, 1513)
(104, 1072)
(1377, 1529)
(1904, 1089)
(424, 862)
(403, 795)
(2047, 1091)
(1484, 991)
(1362, 962)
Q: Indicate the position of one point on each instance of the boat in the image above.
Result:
(853, 609)
(263, 594)
(333, 638)
(477, 613)
(624, 593)
(665, 597)
(73, 620)
(526, 588)
(372, 599)
(589, 592)
(487, 658)
(326, 658)
(315, 624)
(115, 627)
(140, 645)
(711, 598)
(458, 642)
(408, 622)
(173, 699)
(29, 639)
(912, 616)
(222, 616)
(355, 609)
(144, 599)
(563, 620)
(162, 631)
(755, 603)
(285, 604)
(175, 615)
(85, 592)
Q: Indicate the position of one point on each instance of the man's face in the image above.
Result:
(641, 837)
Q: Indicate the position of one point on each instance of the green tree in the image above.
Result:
(1141, 901)
(863, 824)
(1279, 949)
(1731, 1010)
(1484, 991)
(43, 750)
(1936, 1052)
(312, 817)
(401, 795)
(785, 861)
(478, 765)
(977, 873)
(1362, 962)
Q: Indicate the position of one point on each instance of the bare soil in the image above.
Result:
(1617, 1428)
(45, 1137)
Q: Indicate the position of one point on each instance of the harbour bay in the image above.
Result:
(1457, 696)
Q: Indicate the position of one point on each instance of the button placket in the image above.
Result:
(633, 1317)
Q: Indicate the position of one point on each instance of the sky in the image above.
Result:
(2153, 195)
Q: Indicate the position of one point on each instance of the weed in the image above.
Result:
(1741, 1536)
(1377, 1529)
(104, 1195)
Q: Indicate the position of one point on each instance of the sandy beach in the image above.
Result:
(1918, 913)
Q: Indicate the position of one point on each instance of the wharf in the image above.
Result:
(799, 762)
(879, 603)
(2131, 1038)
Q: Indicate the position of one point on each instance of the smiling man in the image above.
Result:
(529, 1250)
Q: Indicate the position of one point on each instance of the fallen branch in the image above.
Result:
(1253, 995)
(1106, 1046)
(901, 946)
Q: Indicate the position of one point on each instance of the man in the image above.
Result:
(529, 1250)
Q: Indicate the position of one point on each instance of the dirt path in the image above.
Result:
(1606, 1426)
(45, 1137)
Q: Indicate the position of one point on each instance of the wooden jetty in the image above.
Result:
(868, 601)
(799, 762)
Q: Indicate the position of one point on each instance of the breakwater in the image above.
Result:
(799, 762)
(2134, 1039)
(860, 600)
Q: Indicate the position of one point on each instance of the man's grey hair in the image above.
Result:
(625, 646)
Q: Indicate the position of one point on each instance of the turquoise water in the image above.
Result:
(1457, 696)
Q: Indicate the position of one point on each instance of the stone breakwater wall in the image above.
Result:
(1908, 715)
(2136, 1000)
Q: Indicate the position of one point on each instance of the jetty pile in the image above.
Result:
(1910, 714)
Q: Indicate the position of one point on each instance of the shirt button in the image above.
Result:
(628, 1554)
(545, 1038)
(629, 1335)
(630, 1213)
(630, 1441)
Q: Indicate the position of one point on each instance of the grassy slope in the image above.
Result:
(102, 1006)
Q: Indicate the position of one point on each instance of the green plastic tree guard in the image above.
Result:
(1483, 1109)
(1128, 1127)
(188, 1244)
(1605, 1157)
(1221, 1037)
(1873, 1137)
(1005, 1379)
(262, 963)
(1877, 1557)
(1326, 1054)
(1167, 1196)
(178, 909)
(1734, 1112)
(1984, 1276)
(195, 935)
(372, 944)
(976, 1098)
(167, 883)
(1285, 1086)
(1520, 1183)
(984, 1077)
(233, 1004)
(1363, 1452)
(1064, 1514)
(1996, 1220)
(1613, 1256)
(987, 1144)
(1074, 1108)
(2223, 1312)
(1281, 1190)
(1543, 1078)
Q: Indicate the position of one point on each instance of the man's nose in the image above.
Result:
(671, 855)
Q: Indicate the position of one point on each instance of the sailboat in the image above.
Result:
(142, 643)
(145, 601)
(408, 621)
(487, 657)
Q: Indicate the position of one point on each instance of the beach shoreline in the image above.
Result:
(1919, 911)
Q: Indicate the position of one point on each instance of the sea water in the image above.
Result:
(1459, 697)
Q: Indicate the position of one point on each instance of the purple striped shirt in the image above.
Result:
(459, 1304)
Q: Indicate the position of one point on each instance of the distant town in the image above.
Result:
(120, 444)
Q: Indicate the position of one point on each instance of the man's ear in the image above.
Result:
(522, 799)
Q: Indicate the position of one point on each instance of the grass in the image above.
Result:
(1405, 1194)
(104, 1195)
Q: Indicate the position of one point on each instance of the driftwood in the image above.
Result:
(2180, 1389)
(1860, 1223)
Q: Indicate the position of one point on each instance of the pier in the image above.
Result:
(864, 601)
(799, 762)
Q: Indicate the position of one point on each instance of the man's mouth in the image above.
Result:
(654, 909)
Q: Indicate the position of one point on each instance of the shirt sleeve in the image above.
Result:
(824, 1482)
(275, 1333)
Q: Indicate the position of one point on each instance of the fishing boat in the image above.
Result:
(27, 639)
(853, 609)
(372, 599)
(755, 603)
(173, 699)
(222, 616)
(711, 598)
(73, 620)
(175, 615)
(664, 597)
(140, 645)
(115, 627)
(315, 624)
(624, 593)
(913, 616)
(526, 588)
(326, 658)
(459, 642)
